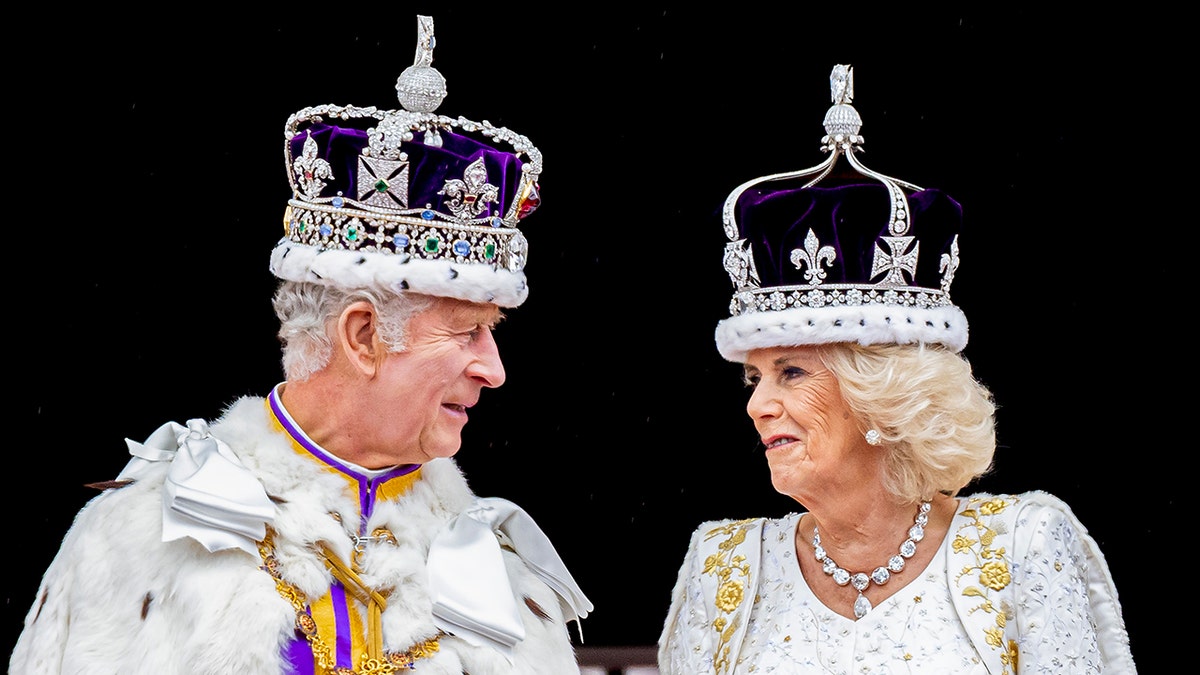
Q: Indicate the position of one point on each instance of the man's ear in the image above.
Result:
(358, 338)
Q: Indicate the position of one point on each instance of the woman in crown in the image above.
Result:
(871, 418)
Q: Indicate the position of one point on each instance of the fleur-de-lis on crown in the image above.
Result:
(311, 171)
(740, 264)
(470, 196)
(949, 265)
(812, 255)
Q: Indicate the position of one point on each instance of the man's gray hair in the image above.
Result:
(307, 311)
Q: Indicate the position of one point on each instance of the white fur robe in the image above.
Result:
(116, 599)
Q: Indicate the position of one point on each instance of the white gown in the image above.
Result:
(791, 631)
(1017, 586)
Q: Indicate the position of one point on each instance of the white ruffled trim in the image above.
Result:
(474, 282)
(864, 324)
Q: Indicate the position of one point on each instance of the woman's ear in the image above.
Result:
(357, 337)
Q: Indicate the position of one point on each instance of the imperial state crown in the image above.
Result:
(408, 199)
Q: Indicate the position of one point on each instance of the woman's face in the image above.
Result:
(813, 443)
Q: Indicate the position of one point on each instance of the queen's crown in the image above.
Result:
(861, 257)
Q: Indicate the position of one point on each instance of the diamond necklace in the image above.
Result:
(860, 580)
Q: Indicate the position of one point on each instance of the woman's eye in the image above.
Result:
(750, 381)
(791, 373)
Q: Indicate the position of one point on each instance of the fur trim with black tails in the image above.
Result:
(864, 324)
(473, 282)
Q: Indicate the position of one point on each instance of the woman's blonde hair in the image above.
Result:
(936, 421)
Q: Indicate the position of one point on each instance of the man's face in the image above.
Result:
(420, 397)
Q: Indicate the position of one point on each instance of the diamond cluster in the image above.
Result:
(777, 298)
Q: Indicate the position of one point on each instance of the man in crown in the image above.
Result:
(325, 528)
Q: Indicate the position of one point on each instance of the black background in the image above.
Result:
(150, 186)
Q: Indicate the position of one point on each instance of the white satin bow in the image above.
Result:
(472, 597)
(208, 494)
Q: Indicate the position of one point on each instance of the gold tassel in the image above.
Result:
(374, 601)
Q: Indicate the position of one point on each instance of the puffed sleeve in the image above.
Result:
(1067, 612)
(681, 647)
(712, 598)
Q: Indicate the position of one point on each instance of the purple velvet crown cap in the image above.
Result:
(408, 200)
(428, 167)
(827, 267)
(850, 219)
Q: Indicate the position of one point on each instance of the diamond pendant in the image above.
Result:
(861, 606)
(860, 580)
